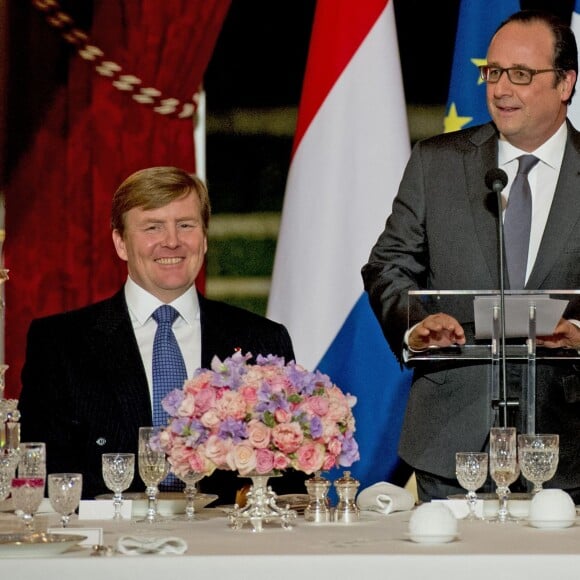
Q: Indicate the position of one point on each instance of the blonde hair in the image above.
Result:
(155, 187)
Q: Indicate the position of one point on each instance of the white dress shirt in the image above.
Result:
(187, 326)
(543, 179)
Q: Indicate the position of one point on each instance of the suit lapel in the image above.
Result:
(564, 214)
(477, 161)
(115, 342)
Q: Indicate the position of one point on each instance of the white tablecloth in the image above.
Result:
(374, 547)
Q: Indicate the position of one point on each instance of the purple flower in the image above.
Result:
(234, 429)
(269, 401)
(303, 381)
(315, 427)
(196, 434)
(179, 425)
(231, 370)
(270, 359)
(171, 401)
(349, 453)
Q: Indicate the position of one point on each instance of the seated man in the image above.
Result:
(87, 383)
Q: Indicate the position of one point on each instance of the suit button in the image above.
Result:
(101, 441)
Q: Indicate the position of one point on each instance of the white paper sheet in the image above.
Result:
(548, 313)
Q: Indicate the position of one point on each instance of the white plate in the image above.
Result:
(432, 538)
(37, 545)
(552, 524)
(168, 503)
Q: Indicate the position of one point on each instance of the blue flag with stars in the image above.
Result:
(477, 22)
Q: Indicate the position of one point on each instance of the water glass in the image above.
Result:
(64, 493)
(32, 461)
(27, 493)
(190, 479)
(538, 456)
(118, 473)
(471, 473)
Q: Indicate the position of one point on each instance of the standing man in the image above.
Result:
(442, 234)
(88, 376)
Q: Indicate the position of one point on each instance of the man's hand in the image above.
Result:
(565, 335)
(437, 330)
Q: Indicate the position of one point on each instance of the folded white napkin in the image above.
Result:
(384, 497)
(134, 546)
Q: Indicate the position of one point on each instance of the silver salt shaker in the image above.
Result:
(318, 509)
(346, 510)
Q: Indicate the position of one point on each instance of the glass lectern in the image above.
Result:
(528, 314)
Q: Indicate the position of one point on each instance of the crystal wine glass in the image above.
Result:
(153, 468)
(190, 479)
(538, 455)
(64, 493)
(118, 473)
(27, 493)
(503, 465)
(32, 460)
(471, 473)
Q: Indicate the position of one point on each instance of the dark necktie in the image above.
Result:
(518, 222)
(168, 373)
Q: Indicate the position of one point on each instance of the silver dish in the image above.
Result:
(37, 544)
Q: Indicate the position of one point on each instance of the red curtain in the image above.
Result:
(88, 136)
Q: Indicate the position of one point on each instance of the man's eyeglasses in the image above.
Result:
(517, 75)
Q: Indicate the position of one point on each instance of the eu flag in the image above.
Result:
(477, 22)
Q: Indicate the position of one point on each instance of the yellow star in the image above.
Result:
(453, 122)
(479, 62)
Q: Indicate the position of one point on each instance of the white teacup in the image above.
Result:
(552, 508)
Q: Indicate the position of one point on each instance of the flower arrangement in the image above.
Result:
(258, 418)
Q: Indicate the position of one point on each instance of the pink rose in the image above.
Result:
(231, 404)
(264, 460)
(204, 400)
(187, 406)
(330, 429)
(258, 434)
(310, 457)
(282, 416)
(243, 458)
(287, 437)
(281, 461)
(217, 450)
(329, 462)
(334, 446)
(317, 405)
(166, 440)
(210, 420)
(250, 395)
(280, 384)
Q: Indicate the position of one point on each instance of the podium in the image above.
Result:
(528, 314)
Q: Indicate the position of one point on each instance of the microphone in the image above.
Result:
(496, 179)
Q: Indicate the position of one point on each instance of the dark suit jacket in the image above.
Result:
(85, 392)
(442, 234)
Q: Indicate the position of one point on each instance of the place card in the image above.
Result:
(94, 535)
(103, 509)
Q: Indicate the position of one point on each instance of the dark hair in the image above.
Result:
(156, 187)
(565, 49)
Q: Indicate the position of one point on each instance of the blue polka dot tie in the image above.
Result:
(168, 373)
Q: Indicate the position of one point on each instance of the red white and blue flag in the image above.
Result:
(350, 150)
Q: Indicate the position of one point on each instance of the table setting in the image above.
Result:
(260, 420)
